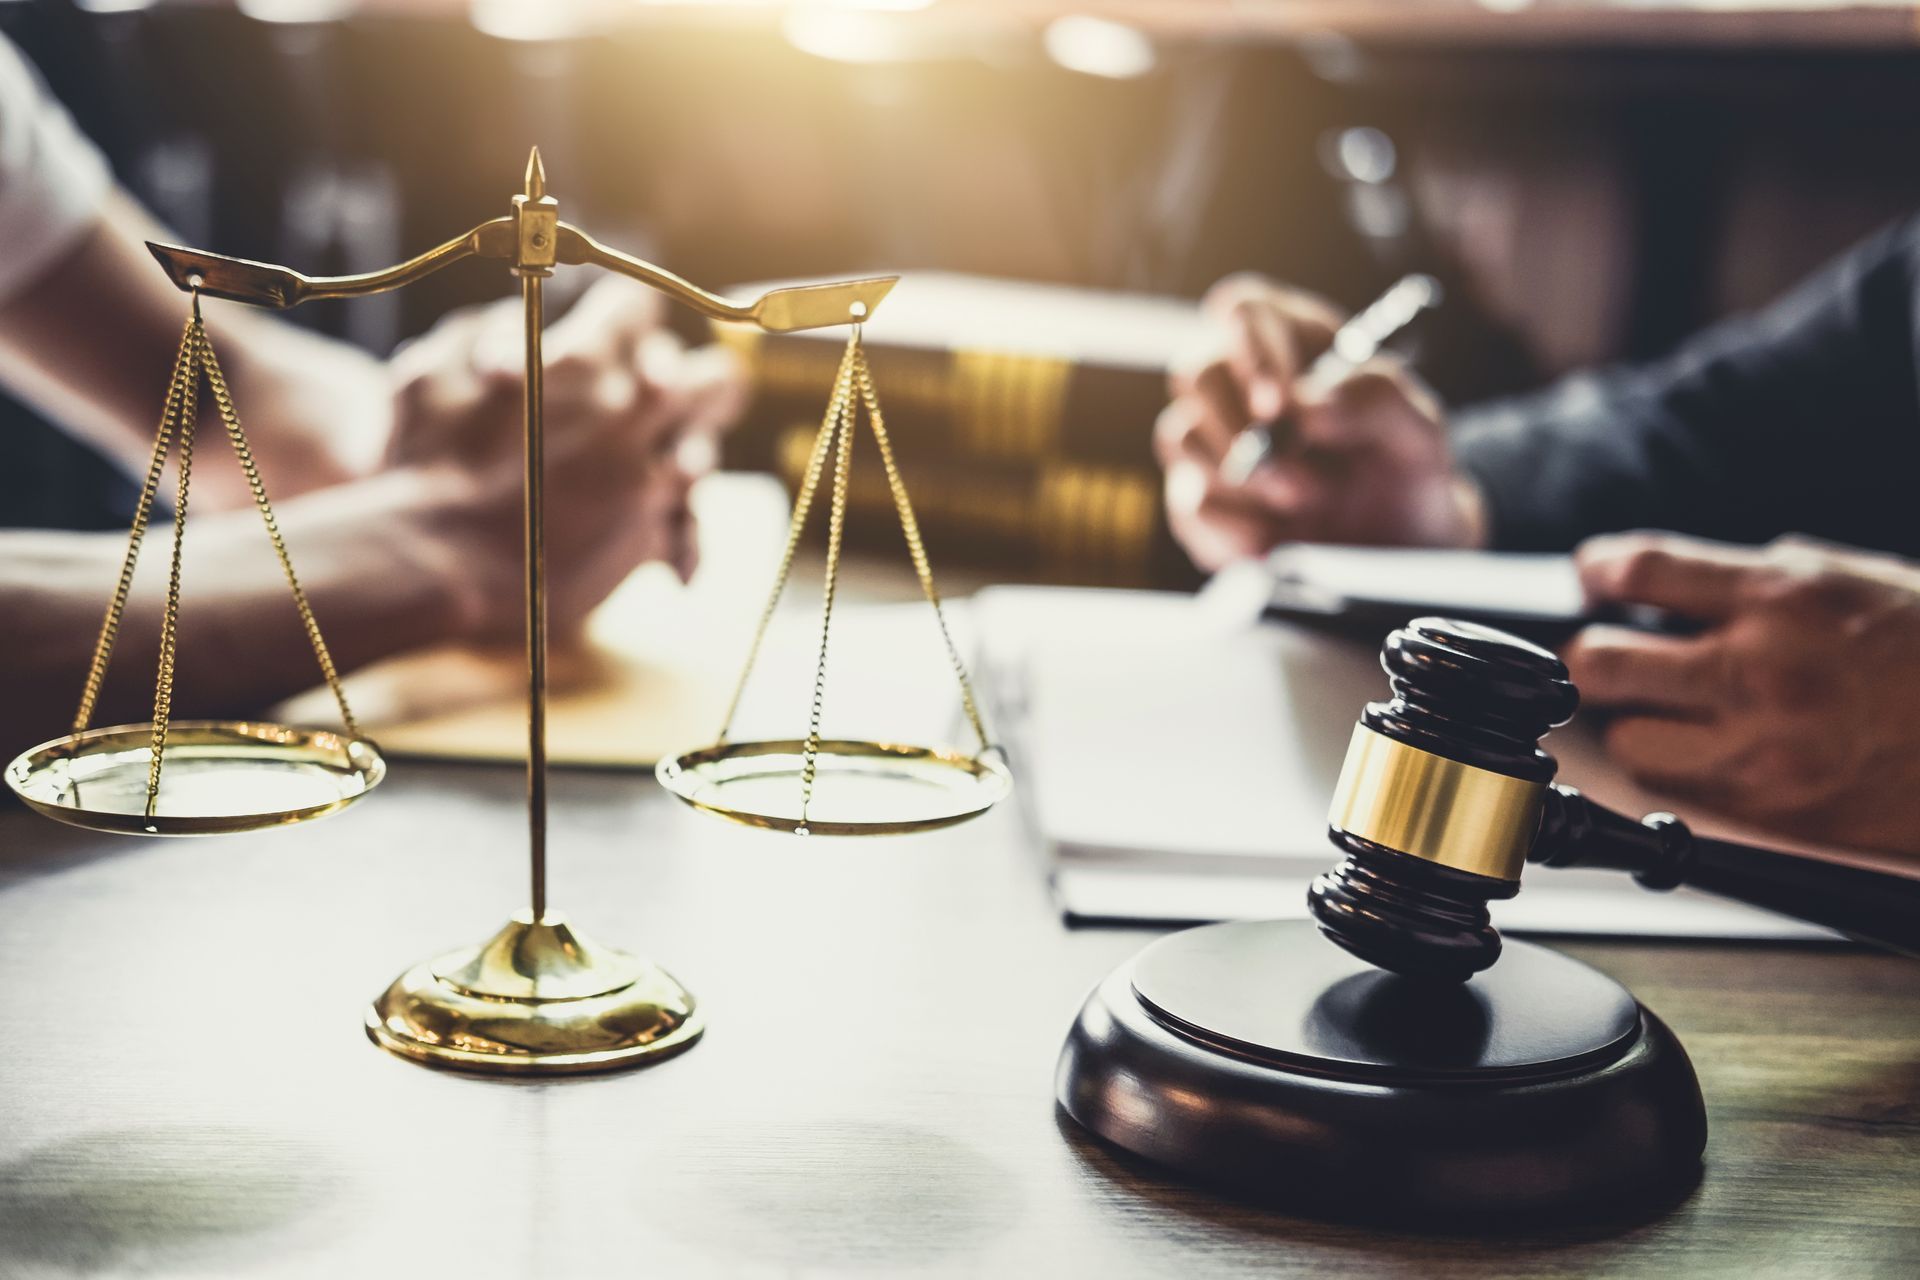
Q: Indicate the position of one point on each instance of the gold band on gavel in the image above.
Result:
(1454, 814)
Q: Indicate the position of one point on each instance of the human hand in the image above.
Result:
(1798, 708)
(1369, 463)
(631, 421)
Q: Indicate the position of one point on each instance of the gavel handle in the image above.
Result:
(1662, 853)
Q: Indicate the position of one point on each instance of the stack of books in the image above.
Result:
(1021, 415)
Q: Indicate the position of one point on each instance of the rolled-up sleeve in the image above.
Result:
(52, 179)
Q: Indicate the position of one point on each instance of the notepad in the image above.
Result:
(1178, 768)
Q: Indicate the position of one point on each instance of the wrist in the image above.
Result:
(452, 541)
(437, 542)
(328, 402)
(1473, 524)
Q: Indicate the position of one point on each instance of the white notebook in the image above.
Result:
(1178, 768)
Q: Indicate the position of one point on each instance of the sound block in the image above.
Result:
(1261, 1059)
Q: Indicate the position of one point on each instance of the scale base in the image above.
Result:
(1261, 1059)
(535, 999)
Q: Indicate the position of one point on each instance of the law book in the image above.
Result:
(1051, 519)
(986, 370)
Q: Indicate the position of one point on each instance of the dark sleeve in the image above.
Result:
(1802, 418)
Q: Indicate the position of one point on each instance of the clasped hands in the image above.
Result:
(1796, 704)
(631, 420)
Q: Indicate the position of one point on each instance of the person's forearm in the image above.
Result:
(91, 343)
(376, 588)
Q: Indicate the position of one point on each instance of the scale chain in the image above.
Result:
(231, 418)
(802, 507)
(162, 444)
(178, 418)
(916, 548)
(170, 619)
(836, 529)
(853, 390)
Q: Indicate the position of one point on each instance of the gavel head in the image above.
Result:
(1440, 798)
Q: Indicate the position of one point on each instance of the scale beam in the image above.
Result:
(267, 284)
(807, 306)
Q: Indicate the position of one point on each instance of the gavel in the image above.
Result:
(1446, 795)
(1372, 1077)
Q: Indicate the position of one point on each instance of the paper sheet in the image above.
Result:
(1179, 768)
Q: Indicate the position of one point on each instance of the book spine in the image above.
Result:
(1051, 519)
(976, 404)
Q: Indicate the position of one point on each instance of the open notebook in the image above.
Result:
(1178, 766)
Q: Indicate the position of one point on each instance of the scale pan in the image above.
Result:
(859, 788)
(219, 776)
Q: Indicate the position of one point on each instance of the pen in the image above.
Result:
(1356, 342)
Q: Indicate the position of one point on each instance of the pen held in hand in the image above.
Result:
(1356, 342)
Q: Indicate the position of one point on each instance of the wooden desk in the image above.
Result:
(185, 1088)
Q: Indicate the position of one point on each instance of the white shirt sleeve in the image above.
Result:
(52, 179)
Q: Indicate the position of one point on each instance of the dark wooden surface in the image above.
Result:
(185, 1088)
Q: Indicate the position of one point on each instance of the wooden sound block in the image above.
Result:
(1261, 1059)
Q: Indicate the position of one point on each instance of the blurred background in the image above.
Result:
(1593, 181)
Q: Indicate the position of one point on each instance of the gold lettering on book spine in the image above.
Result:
(1009, 406)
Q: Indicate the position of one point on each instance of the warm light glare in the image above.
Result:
(896, 6)
(850, 35)
(521, 20)
(1365, 154)
(296, 12)
(1098, 47)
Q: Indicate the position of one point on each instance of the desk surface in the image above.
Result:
(185, 1088)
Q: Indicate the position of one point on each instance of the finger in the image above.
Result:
(1312, 317)
(689, 562)
(602, 332)
(667, 400)
(710, 388)
(604, 412)
(1185, 432)
(717, 390)
(1619, 667)
(697, 455)
(1682, 756)
(1242, 520)
(1222, 402)
(1290, 487)
(1263, 356)
(436, 368)
(1690, 576)
(622, 306)
(497, 344)
(1359, 407)
(675, 544)
(452, 334)
(1214, 529)
(452, 416)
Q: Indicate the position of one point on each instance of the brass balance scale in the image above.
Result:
(539, 996)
